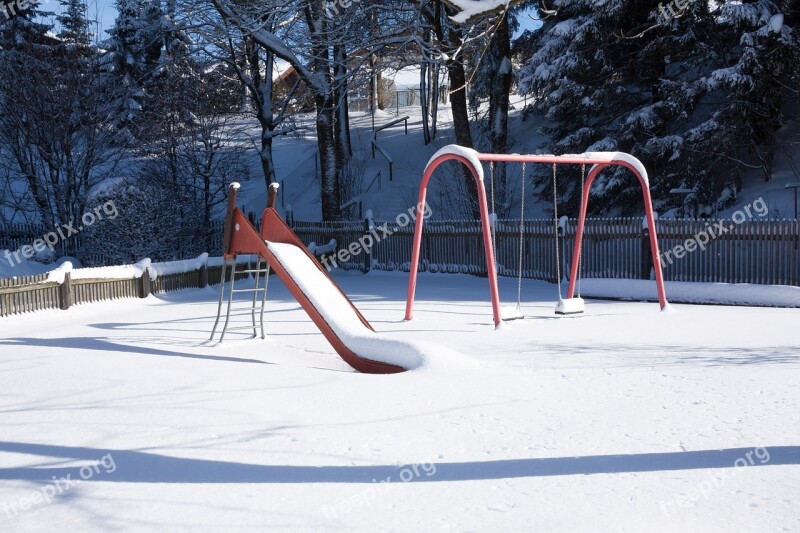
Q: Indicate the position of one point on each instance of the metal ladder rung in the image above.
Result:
(255, 323)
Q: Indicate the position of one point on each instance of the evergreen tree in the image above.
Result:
(695, 93)
(134, 47)
(21, 29)
(74, 23)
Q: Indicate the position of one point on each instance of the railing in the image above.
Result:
(360, 198)
(389, 125)
(385, 156)
(383, 152)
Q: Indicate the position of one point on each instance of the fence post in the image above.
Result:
(289, 216)
(203, 276)
(368, 249)
(65, 296)
(647, 254)
(144, 284)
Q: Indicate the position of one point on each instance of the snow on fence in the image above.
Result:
(757, 251)
(65, 286)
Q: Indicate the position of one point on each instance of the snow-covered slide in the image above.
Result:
(350, 334)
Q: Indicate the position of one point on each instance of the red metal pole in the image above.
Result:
(485, 229)
(576, 251)
(651, 222)
(415, 248)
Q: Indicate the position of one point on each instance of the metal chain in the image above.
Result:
(521, 238)
(555, 227)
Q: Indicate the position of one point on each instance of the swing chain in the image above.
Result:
(555, 227)
(521, 239)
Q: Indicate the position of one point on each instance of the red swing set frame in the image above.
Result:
(472, 159)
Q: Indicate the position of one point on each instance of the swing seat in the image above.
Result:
(510, 314)
(570, 306)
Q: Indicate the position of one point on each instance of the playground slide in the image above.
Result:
(350, 334)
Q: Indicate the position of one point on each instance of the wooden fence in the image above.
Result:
(757, 251)
(35, 293)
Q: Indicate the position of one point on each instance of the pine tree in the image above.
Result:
(694, 93)
(20, 28)
(74, 23)
(134, 50)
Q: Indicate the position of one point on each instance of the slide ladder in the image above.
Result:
(261, 271)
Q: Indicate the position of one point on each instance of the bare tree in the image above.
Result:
(54, 128)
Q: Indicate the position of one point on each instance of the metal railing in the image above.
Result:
(389, 125)
(359, 199)
(385, 156)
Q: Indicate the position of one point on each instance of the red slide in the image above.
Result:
(242, 238)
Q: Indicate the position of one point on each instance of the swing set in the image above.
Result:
(473, 160)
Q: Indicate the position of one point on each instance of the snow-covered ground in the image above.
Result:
(118, 416)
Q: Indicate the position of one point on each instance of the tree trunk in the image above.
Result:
(328, 159)
(330, 150)
(342, 112)
(267, 121)
(260, 88)
(499, 101)
(423, 101)
(458, 106)
(433, 107)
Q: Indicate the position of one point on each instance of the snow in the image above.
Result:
(177, 267)
(475, 8)
(570, 306)
(112, 272)
(776, 23)
(320, 249)
(620, 419)
(407, 78)
(10, 268)
(697, 293)
(467, 153)
(621, 156)
(57, 275)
